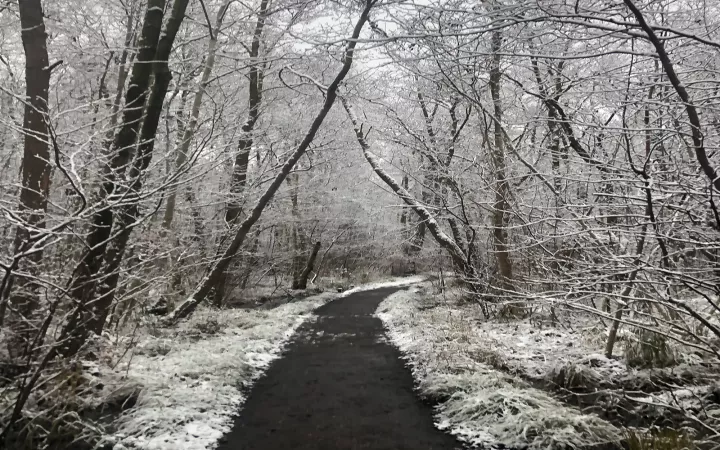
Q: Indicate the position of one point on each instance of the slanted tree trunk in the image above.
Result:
(617, 317)
(130, 213)
(303, 278)
(502, 190)
(215, 273)
(690, 109)
(84, 280)
(446, 242)
(90, 316)
(35, 176)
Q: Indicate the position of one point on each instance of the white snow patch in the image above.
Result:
(383, 284)
(480, 405)
(537, 351)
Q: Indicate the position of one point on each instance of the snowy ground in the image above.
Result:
(481, 371)
(482, 406)
(193, 377)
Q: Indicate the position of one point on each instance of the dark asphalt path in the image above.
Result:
(338, 386)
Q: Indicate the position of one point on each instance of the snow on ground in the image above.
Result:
(480, 405)
(382, 284)
(536, 351)
(194, 376)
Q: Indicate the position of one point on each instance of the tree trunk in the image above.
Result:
(188, 131)
(35, 174)
(239, 175)
(91, 316)
(615, 324)
(219, 267)
(303, 279)
(84, 279)
(296, 237)
(502, 191)
(690, 109)
(238, 180)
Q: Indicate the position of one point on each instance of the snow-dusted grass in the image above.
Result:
(445, 349)
(194, 376)
(536, 351)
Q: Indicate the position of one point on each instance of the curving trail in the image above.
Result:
(338, 386)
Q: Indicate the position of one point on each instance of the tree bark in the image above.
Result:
(502, 189)
(298, 243)
(188, 132)
(238, 180)
(84, 279)
(35, 172)
(303, 279)
(219, 267)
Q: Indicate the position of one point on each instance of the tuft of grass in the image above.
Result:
(658, 439)
(210, 326)
(512, 311)
(572, 377)
(649, 349)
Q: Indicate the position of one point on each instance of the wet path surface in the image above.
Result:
(338, 386)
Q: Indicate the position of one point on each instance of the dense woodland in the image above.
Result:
(161, 155)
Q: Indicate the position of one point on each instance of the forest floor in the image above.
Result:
(538, 384)
(339, 385)
(378, 367)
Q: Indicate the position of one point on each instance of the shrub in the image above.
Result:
(649, 349)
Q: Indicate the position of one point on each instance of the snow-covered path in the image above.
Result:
(339, 385)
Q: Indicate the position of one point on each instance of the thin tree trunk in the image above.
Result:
(36, 169)
(617, 317)
(239, 175)
(188, 132)
(180, 160)
(238, 180)
(297, 241)
(219, 267)
(122, 76)
(303, 279)
(502, 190)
